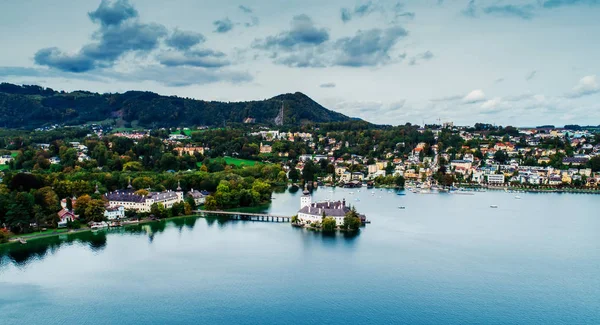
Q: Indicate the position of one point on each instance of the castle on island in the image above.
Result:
(313, 211)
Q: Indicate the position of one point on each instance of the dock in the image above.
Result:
(233, 215)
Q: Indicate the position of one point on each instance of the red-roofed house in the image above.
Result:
(65, 217)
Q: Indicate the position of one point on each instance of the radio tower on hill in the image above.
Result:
(279, 118)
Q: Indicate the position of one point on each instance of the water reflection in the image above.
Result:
(21, 255)
(96, 241)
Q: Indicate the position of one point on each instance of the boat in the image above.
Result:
(99, 225)
(22, 241)
(400, 193)
(401, 207)
(517, 197)
(493, 206)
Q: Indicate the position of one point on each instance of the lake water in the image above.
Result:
(445, 259)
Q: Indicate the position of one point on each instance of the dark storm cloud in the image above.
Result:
(184, 40)
(223, 25)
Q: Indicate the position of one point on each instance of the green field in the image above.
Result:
(239, 162)
(4, 167)
(236, 162)
(14, 154)
(184, 132)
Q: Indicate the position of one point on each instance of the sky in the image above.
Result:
(521, 63)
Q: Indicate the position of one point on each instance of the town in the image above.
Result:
(108, 175)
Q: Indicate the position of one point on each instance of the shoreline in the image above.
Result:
(32, 237)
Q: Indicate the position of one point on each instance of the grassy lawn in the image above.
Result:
(47, 232)
(4, 167)
(14, 154)
(238, 162)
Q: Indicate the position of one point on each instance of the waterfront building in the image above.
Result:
(115, 213)
(65, 217)
(198, 196)
(495, 178)
(311, 212)
(142, 203)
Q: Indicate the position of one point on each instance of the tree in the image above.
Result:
(158, 210)
(329, 224)
(399, 181)
(89, 209)
(501, 156)
(308, 172)
(4, 236)
(210, 203)
(293, 175)
(352, 220)
(594, 164)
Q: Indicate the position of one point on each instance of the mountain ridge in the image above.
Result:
(27, 106)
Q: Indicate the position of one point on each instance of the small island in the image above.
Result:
(327, 216)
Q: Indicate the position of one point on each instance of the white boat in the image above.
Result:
(99, 225)
(517, 197)
(493, 206)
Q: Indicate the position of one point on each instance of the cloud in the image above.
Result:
(55, 58)
(475, 96)
(119, 34)
(471, 10)
(254, 21)
(184, 40)
(399, 12)
(113, 13)
(328, 85)
(223, 25)
(303, 32)
(368, 48)
(492, 104)
(587, 85)
(170, 76)
(531, 75)
(425, 56)
(196, 58)
(563, 3)
(361, 10)
(245, 9)
(523, 12)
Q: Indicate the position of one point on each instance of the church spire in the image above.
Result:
(178, 186)
(129, 186)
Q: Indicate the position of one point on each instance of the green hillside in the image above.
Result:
(34, 106)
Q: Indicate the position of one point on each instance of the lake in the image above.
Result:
(447, 259)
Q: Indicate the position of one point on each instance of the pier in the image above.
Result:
(245, 216)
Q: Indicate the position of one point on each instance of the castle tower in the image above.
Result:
(305, 199)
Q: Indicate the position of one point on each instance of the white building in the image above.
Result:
(115, 213)
(313, 212)
(495, 178)
(198, 196)
(131, 201)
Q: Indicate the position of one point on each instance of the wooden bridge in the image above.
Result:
(245, 216)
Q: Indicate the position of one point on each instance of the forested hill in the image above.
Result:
(35, 106)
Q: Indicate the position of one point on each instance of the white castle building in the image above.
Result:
(313, 212)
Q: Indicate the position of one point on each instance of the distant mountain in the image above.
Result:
(35, 106)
